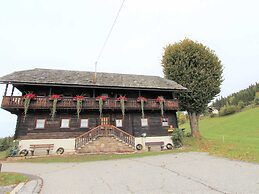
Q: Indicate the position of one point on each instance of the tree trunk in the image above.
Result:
(194, 124)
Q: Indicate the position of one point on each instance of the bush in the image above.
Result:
(182, 118)
(177, 137)
(241, 104)
(227, 110)
(6, 143)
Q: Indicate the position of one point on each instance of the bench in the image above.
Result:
(48, 147)
(155, 143)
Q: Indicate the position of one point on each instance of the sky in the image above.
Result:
(65, 34)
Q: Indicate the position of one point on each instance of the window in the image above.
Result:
(84, 123)
(165, 122)
(65, 123)
(144, 122)
(118, 122)
(40, 124)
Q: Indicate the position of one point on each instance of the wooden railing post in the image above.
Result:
(89, 103)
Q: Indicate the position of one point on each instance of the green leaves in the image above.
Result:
(196, 67)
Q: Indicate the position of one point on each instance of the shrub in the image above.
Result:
(177, 137)
(6, 143)
(241, 104)
(256, 100)
(182, 118)
(227, 110)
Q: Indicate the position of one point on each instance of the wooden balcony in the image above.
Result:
(17, 102)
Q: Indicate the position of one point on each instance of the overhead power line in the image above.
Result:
(109, 34)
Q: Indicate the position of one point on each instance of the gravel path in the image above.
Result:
(172, 173)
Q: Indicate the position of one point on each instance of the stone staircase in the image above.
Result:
(105, 139)
(106, 145)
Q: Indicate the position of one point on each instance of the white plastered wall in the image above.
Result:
(67, 144)
(143, 140)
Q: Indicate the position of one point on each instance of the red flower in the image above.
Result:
(141, 98)
(160, 99)
(122, 97)
(55, 96)
(79, 97)
(29, 96)
(102, 97)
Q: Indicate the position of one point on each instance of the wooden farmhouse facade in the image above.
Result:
(77, 111)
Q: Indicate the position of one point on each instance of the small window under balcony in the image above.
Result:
(40, 123)
(84, 123)
(65, 123)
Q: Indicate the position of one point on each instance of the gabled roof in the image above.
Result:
(84, 78)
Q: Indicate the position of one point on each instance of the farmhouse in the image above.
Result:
(77, 111)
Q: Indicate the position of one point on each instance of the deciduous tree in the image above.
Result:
(198, 68)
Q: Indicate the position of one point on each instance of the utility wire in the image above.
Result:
(109, 34)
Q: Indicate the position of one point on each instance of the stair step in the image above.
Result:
(106, 145)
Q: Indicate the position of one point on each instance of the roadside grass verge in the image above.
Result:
(11, 178)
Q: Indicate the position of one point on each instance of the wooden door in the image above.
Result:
(105, 121)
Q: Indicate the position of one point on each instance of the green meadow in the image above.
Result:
(235, 136)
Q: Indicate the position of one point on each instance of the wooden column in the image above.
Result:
(12, 90)
(6, 88)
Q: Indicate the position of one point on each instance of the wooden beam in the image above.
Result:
(6, 88)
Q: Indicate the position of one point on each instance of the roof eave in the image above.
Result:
(93, 86)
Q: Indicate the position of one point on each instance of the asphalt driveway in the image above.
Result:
(172, 173)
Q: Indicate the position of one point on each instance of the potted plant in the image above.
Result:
(27, 99)
(79, 103)
(101, 100)
(161, 101)
(122, 100)
(55, 98)
(142, 101)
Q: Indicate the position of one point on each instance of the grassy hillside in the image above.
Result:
(235, 136)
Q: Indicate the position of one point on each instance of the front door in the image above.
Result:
(105, 121)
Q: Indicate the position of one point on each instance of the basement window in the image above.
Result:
(84, 123)
(40, 123)
(65, 123)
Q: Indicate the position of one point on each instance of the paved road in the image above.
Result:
(174, 173)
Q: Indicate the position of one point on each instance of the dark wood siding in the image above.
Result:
(132, 123)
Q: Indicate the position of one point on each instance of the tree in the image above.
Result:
(198, 68)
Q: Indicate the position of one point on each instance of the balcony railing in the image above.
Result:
(17, 102)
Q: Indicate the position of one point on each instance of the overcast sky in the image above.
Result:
(69, 34)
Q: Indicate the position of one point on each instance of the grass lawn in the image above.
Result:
(234, 136)
(11, 178)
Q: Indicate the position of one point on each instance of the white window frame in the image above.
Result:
(65, 125)
(119, 122)
(144, 122)
(87, 123)
(40, 123)
(165, 124)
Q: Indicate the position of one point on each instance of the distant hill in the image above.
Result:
(245, 97)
